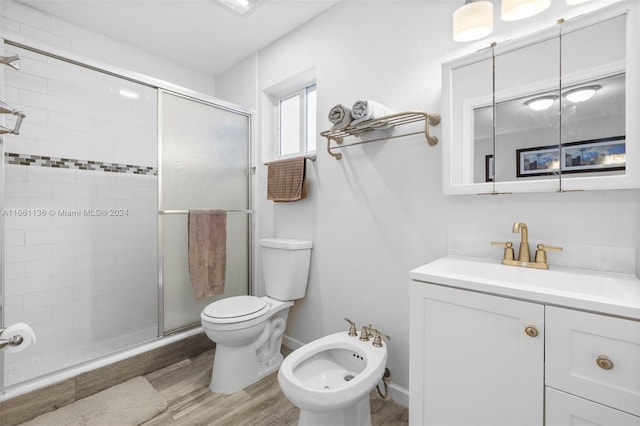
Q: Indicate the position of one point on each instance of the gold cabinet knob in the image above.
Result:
(604, 362)
(531, 331)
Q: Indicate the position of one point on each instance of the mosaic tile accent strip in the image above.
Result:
(71, 163)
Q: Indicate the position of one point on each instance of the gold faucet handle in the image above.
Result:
(552, 248)
(541, 255)
(508, 249)
(352, 327)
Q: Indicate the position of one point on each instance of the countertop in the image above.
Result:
(600, 292)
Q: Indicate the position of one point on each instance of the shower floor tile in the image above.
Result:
(18, 371)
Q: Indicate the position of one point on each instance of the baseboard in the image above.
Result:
(292, 343)
(397, 393)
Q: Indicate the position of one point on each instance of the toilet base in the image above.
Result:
(234, 370)
(358, 414)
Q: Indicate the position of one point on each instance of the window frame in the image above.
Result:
(303, 137)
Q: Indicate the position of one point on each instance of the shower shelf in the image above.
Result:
(381, 123)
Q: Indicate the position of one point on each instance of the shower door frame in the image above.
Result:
(235, 110)
(49, 50)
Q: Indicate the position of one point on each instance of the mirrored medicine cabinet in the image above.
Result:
(556, 111)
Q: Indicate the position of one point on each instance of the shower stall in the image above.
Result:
(95, 191)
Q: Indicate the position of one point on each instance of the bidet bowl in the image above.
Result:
(331, 373)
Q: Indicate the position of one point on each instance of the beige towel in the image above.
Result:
(207, 251)
(286, 180)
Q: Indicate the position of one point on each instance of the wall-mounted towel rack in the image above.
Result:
(388, 121)
(309, 156)
(164, 212)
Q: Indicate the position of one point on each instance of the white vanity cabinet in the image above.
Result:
(497, 345)
(478, 366)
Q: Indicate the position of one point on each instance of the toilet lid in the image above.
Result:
(247, 307)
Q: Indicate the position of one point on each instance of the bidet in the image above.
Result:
(330, 379)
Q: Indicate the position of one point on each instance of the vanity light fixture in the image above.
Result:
(581, 94)
(473, 20)
(514, 10)
(241, 7)
(541, 103)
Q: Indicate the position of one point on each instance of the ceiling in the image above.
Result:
(199, 34)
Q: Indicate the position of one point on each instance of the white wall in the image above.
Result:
(31, 24)
(380, 212)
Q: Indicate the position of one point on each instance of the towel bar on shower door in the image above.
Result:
(164, 212)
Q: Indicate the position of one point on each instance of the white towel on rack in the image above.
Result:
(340, 116)
(365, 109)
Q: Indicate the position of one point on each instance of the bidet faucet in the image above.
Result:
(524, 255)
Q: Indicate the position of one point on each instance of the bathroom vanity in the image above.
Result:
(499, 345)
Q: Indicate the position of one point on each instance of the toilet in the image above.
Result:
(248, 330)
(330, 379)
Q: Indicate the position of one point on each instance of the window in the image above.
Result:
(297, 122)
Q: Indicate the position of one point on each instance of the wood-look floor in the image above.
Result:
(185, 386)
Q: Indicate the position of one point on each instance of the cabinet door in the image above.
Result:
(471, 361)
(563, 409)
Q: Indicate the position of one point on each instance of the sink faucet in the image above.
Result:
(524, 255)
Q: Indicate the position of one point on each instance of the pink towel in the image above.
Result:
(207, 251)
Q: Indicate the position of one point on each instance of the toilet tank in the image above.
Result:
(285, 266)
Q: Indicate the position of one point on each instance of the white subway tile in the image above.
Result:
(29, 98)
(27, 189)
(94, 233)
(13, 304)
(29, 285)
(72, 308)
(39, 34)
(27, 15)
(14, 270)
(14, 238)
(73, 279)
(14, 203)
(27, 253)
(30, 316)
(53, 328)
(72, 249)
(51, 174)
(45, 236)
(78, 190)
(50, 266)
(78, 35)
(27, 222)
(10, 25)
(96, 261)
(115, 192)
(17, 78)
(14, 172)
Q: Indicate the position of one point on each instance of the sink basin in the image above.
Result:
(616, 294)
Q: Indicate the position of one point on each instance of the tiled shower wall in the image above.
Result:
(80, 207)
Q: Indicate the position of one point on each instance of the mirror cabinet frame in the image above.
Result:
(458, 141)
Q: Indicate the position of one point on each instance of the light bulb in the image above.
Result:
(473, 21)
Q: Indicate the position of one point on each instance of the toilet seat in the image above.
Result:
(235, 309)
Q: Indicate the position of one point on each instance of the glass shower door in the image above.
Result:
(204, 157)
